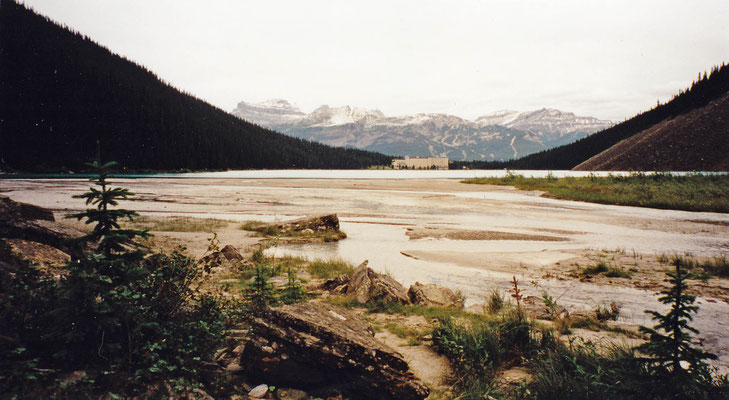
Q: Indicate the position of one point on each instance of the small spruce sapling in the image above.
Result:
(260, 293)
(107, 231)
(293, 292)
(669, 344)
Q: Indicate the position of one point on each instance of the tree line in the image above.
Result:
(60, 93)
(705, 89)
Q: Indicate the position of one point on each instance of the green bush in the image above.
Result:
(260, 294)
(475, 352)
(293, 292)
(131, 320)
(672, 358)
(583, 371)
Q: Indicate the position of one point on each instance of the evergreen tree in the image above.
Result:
(293, 292)
(260, 294)
(107, 231)
(673, 359)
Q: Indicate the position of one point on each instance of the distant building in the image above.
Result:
(420, 163)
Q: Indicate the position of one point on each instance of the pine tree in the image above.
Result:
(260, 294)
(107, 231)
(293, 292)
(669, 344)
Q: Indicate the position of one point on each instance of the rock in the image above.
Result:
(318, 347)
(322, 223)
(291, 394)
(32, 223)
(337, 284)
(233, 368)
(231, 254)
(366, 285)
(430, 294)
(258, 391)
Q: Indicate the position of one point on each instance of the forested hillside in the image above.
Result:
(60, 92)
(694, 141)
(706, 88)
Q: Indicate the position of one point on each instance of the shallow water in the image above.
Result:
(383, 246)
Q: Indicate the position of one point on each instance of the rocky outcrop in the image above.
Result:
(336, 285)
(32, 223)
(322, 223)
(367, 285)
(430, 294)
(231, 254)
(319, 348)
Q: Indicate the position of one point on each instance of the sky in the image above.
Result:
(607, 59)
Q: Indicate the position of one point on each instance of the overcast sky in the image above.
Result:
(608, 59)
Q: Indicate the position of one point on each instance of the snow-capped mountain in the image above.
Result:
(553, 126)
(497, 136)
(269, 113)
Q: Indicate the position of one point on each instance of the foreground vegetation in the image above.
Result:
(687, 192)
(667, 366)
(119, 322)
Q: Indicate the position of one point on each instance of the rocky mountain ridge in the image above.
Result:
(500, 135)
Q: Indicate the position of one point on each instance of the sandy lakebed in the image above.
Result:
(470, 238)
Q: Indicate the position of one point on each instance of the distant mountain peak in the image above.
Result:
(277, 103)
(499, 135)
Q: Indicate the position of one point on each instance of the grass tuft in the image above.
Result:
(177, 224)
(327, 269)
(610, 271)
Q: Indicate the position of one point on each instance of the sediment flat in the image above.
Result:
(467, 237)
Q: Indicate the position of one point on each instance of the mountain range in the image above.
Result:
(501, 135)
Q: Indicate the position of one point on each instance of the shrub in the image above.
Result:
(605, 313)
(259, 295)
(132, 320)
(293, 292)
(475, 353)
(584, 371)
(494, 301)
(671, 356)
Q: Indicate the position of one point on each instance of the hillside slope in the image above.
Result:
(704, 90)
(60, 92)
(695, 141)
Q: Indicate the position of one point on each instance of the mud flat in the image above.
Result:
(466, 237)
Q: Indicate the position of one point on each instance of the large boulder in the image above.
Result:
(367, 285)
(34, 224)
(323, 349)
(231, 254)
(430, 294)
